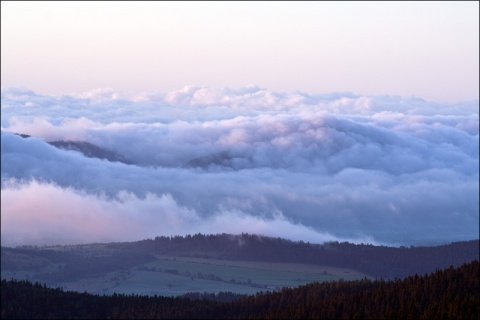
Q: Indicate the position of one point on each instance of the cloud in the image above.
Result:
(334, 166)
(53, 214)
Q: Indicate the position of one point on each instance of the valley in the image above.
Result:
(174, 266)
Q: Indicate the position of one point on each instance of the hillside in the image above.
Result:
(376, 261)
(451, 293)
(242, 264)
(89, 150)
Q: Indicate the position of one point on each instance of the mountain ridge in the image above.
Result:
(88, 149)
(376, 261)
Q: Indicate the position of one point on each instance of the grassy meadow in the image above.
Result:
(175, 275)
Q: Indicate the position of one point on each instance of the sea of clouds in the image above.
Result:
(313, 167)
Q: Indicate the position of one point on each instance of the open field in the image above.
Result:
(279, 266)
(215, 263)
(174, 275)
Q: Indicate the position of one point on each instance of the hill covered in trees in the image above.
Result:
(376, 261)
(450, 293)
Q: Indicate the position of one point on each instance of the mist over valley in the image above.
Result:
(102, 166)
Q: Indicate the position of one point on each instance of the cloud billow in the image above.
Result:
(316, 168)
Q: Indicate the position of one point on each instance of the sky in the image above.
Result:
(425, 49)
(312, 121)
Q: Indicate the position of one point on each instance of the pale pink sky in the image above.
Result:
(426, 49)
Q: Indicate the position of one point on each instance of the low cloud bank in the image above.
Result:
(55, 215)
(307, 167)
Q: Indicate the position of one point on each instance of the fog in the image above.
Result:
(313, 167)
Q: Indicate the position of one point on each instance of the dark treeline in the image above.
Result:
(377, 261)
(452, 293)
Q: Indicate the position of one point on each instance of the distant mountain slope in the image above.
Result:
(222, 159)
(87, 149)
(90, 150)
(376, 261)
(452, 293)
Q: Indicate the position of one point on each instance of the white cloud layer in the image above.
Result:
(380, 169)
(69, 216)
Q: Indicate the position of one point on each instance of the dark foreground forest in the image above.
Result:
(452, 293)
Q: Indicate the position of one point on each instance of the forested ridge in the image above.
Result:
(376, 261)
(452, 293)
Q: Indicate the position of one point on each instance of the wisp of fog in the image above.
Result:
(311, 167)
